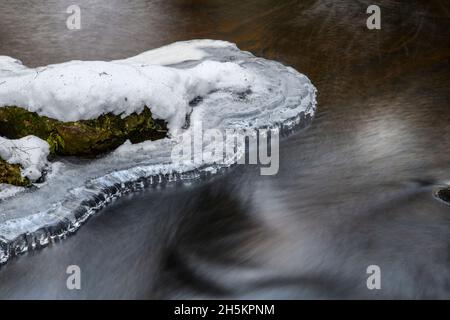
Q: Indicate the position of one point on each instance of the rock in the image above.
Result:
(444, 195)
(85, 137)
(10, 174)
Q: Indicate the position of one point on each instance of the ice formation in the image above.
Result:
(205, 81)
(30, 152)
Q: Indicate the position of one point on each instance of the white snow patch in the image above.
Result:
(29, 152)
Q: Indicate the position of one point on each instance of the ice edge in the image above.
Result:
(103, 190)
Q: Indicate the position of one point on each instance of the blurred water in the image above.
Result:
(354, 189)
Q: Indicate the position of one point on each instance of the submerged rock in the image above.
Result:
(444, 195)
(11, 174)
(85, 137)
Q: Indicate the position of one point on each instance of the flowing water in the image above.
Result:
(354, 189)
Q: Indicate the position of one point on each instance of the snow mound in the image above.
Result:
(29, 152)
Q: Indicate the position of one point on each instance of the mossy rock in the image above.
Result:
(85, 137)
(10, 174)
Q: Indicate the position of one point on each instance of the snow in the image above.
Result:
(81, 90)
(29, 152)
(177, 52)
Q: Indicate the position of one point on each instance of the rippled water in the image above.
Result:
(354, 189)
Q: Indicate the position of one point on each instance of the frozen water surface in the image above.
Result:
(231, 89)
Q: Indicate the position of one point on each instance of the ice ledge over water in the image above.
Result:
(232, 89)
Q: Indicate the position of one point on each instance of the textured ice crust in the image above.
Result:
(279, 97)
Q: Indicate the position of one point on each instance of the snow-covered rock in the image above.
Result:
(29, 152)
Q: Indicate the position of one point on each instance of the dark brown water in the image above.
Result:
(354, 189)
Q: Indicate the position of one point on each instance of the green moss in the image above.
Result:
(10, 174)
(56, 142)
(85, 137)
